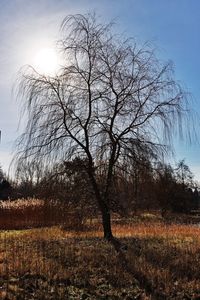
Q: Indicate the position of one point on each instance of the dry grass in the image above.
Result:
(162, 262)
(31, 213)
(48, 264)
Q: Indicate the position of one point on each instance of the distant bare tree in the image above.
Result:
(109, 98)
(184, 174)
(29, 172)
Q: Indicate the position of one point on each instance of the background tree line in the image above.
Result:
(137, 185)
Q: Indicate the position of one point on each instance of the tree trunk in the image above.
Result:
(103, 205)
(106, 221)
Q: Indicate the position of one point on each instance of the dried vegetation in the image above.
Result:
(162, 260)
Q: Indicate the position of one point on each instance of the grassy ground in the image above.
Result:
(162, 262)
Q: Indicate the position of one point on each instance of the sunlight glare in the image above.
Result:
(46, 61)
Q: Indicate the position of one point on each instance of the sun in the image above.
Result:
(46, 61)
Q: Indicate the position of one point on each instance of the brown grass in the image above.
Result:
(31, 213)
(162, 262)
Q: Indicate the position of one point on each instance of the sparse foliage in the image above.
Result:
(110, 99)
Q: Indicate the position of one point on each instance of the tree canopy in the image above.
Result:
(111, 99)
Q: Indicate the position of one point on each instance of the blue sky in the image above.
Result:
(171, 25)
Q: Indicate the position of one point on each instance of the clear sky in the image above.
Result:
(27, 26)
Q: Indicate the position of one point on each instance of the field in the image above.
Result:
(162, 260)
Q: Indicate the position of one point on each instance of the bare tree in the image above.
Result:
(110, 98)
(184, 174)
(29, 172)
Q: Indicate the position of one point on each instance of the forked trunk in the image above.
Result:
(106, 221)
(103, 206)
